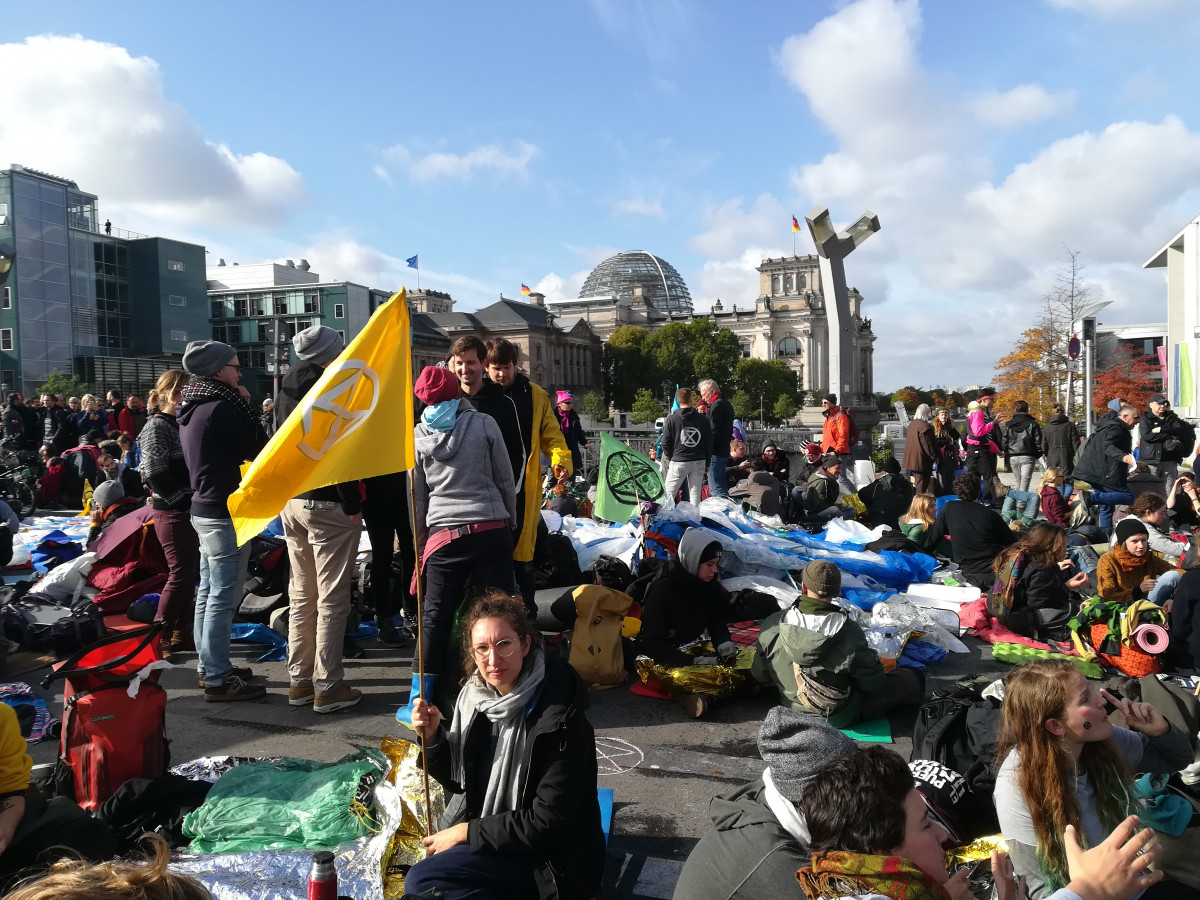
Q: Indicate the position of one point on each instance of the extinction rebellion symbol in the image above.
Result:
(632, 479)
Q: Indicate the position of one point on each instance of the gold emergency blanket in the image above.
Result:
(714, 681)
(405, 848)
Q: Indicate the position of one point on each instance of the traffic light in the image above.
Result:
(1089, 329)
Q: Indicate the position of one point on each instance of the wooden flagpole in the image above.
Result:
(412, 516)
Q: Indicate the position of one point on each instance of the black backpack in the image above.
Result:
(559, 563)
(959, 729)
(1187, 437)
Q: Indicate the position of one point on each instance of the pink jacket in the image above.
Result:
(978, 427)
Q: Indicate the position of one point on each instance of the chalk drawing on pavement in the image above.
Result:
(615, 756)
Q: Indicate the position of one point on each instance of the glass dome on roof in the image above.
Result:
(661, 285)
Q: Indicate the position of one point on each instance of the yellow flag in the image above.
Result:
(355, 422)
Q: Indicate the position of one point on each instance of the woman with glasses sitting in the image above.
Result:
(684, 600)
(519, 762)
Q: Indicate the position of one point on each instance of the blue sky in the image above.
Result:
(525, 142)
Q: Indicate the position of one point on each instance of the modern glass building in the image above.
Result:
(248, 303)
(619, 276)
(112, 307)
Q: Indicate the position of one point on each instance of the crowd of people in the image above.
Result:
(515, 746)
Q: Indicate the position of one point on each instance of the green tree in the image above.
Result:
(785, 407)
(61, 383)
(594, 406)
(645, 407)
(956, 400)
(762, 379)
(745, 407)
(685, 353)
(627, 366)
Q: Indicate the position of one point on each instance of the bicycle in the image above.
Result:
(19, 471)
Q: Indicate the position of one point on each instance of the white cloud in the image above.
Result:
(1023, 104)
(965, 251)
(555, 287)
(512, 160)
(337, 255)
(639, 206)
(91, 112)
(1112, 8)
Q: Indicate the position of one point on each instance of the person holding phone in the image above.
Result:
(1042, 579)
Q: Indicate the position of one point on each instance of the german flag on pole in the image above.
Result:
(795, 224)
(524, 290)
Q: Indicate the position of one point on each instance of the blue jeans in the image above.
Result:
(1164, 587)
(1030, 505)
(222, 574)
(1107, 501)
(718, 478)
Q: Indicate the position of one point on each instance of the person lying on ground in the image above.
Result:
(819, 660)
(36, 831)
(1041, 583)
(520, 755)
(873, 837)
(1151, 509)
(1065, 765)
(760, 489)
(1129, 571)
(976, 533)
(758, 838)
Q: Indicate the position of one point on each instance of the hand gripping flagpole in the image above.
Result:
(412, 507)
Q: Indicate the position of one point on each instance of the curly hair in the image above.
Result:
(966, 487)
(74, 879)
(497, 604)
(1147, 504)
(856, 803)
(1033, 693)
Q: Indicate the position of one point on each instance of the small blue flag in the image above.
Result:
(412, 262)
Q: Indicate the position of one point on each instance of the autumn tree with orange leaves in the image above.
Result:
(1128, 375)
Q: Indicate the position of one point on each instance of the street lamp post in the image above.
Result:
(1085, 327)
(833, 247)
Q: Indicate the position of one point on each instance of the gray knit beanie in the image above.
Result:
(319, 344)
(796, 746)
(106, 494)
(206, 358)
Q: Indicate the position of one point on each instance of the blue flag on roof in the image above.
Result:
(412, 262)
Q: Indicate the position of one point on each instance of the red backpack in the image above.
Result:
(109, 737)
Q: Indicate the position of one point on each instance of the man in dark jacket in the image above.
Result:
(1060, 442)
(467, 356)
(758, 838)
(920, 450)
(1165, 440)
(976, 533)
(322, 528)
(1106, 460)
(21, 424)
(218, 430)
(1022, 444)
(720, 418)
(687, 444)
(888, 497)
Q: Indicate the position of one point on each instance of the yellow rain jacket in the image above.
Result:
(540, 434)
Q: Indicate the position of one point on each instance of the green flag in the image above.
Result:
(627, 479)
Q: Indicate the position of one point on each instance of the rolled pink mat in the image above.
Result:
(1151, 638)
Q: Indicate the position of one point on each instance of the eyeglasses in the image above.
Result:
(503, 648)
(232, 366)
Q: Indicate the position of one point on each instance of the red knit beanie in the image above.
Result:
(436, 385)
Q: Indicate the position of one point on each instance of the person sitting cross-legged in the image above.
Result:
(819, 659)
(758, 837)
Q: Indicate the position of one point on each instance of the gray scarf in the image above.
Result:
(508, 713)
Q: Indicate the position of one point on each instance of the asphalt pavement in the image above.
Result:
(662, 767)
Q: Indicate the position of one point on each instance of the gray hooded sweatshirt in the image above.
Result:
(462, 476)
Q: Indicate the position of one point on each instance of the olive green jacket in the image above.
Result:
(820, 638)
